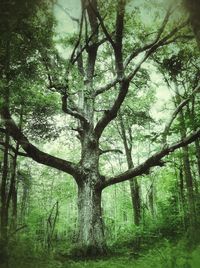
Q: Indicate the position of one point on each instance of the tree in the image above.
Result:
(194, 8)
(81, 99)
(174, 71)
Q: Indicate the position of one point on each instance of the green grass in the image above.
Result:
(162, 254)
(166, 257)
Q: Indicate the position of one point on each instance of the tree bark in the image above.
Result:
(91, 238)
(91, 241)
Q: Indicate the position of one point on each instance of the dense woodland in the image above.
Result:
(99, 133)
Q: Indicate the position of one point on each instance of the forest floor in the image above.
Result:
(164, 254)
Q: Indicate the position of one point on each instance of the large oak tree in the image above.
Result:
(128, 48)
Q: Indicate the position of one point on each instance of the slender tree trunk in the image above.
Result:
(124, 211)
(4, 211)
(14, 208)
(189, 185)
(193, 118)
(24, 201)
(151, 197)
(187, 170)
(12, 193)
(197, 148)
(134, 186)
(182, 196)
(51, 224)
(135, 196)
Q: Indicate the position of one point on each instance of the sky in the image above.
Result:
(65, 24)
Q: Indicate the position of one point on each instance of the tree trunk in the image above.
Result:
(12, 193)
(135, 196)
(187, 169)
(197, 148)
(182, 196)
(14, 209)
(134, 186)
(4, 211)
(151, 199)
(91, 239)
(189, 185)
(194, 121)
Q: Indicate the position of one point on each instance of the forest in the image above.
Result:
(99, 133)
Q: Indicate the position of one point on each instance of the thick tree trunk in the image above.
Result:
(91, 239)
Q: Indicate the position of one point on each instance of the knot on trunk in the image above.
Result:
(92, 143)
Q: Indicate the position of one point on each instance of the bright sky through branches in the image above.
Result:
(66, 25)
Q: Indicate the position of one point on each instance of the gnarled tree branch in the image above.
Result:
(154, 160)
(31, 150)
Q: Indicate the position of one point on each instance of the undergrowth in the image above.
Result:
(162, 254)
